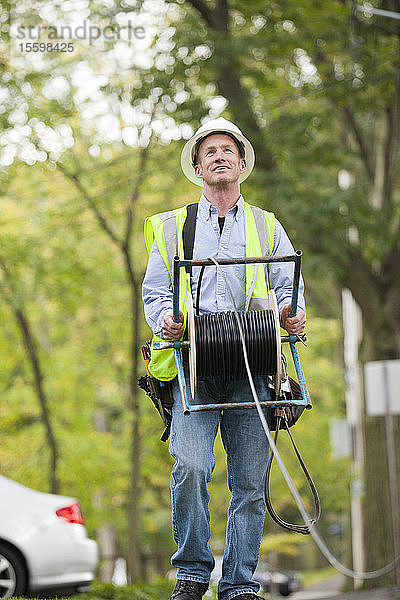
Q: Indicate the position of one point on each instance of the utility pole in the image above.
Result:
(352, 328)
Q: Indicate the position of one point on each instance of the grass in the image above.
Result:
(161, 589)
(147, 591)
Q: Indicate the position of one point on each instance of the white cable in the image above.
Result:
(303, 511)
(378, 11)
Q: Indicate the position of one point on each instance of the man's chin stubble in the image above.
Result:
(221, 184)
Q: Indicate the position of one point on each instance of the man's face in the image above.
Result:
(218, 161)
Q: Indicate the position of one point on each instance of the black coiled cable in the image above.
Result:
(218, 347)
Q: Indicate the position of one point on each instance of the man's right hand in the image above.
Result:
(171, 330)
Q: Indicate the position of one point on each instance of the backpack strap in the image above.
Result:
(188, 232)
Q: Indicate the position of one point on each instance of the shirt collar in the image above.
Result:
(205, 208)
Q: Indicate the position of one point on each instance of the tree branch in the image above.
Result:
(135, 194)
(205, 12)
(99, 216)
(222, 15)
(392, 144)
(365, 153)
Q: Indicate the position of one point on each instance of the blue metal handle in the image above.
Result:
(292, 338)
(296, 282)
(175, 304)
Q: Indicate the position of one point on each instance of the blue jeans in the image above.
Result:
(247, 449)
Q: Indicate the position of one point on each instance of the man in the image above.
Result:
(219, 158)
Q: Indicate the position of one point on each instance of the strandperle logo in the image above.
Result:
(84, 31)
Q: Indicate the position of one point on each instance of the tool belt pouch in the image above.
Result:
(293, 412)
(160, 393)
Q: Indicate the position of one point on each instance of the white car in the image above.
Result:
(43, 542)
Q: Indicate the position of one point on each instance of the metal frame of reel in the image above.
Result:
(188, 406)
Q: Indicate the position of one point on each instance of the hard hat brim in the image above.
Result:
(186, 156)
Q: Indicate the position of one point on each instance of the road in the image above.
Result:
(325, 589)
(331, 588)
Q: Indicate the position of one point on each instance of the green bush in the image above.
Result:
(147, 591)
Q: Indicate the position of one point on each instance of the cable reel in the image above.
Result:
(215, 347)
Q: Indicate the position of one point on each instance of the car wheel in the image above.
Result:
(284, 590)
(12, 573)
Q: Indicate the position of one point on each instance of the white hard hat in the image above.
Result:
(219, 125)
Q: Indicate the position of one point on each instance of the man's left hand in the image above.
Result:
(293, 325)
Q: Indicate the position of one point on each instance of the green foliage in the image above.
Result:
(149, 591)
(144, 591)
(282, 543)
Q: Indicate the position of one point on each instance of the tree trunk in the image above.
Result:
(33, 355)
(378, 522)
(135, 565)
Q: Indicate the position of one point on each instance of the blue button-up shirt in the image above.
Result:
(209, 242)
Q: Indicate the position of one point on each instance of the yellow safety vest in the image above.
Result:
(166, 228)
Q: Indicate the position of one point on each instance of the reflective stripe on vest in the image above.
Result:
(257, 285)
(166, 228)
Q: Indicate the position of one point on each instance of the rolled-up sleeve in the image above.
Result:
(156, 291)
(281, 274)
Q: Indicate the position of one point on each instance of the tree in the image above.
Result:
(14, 294)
